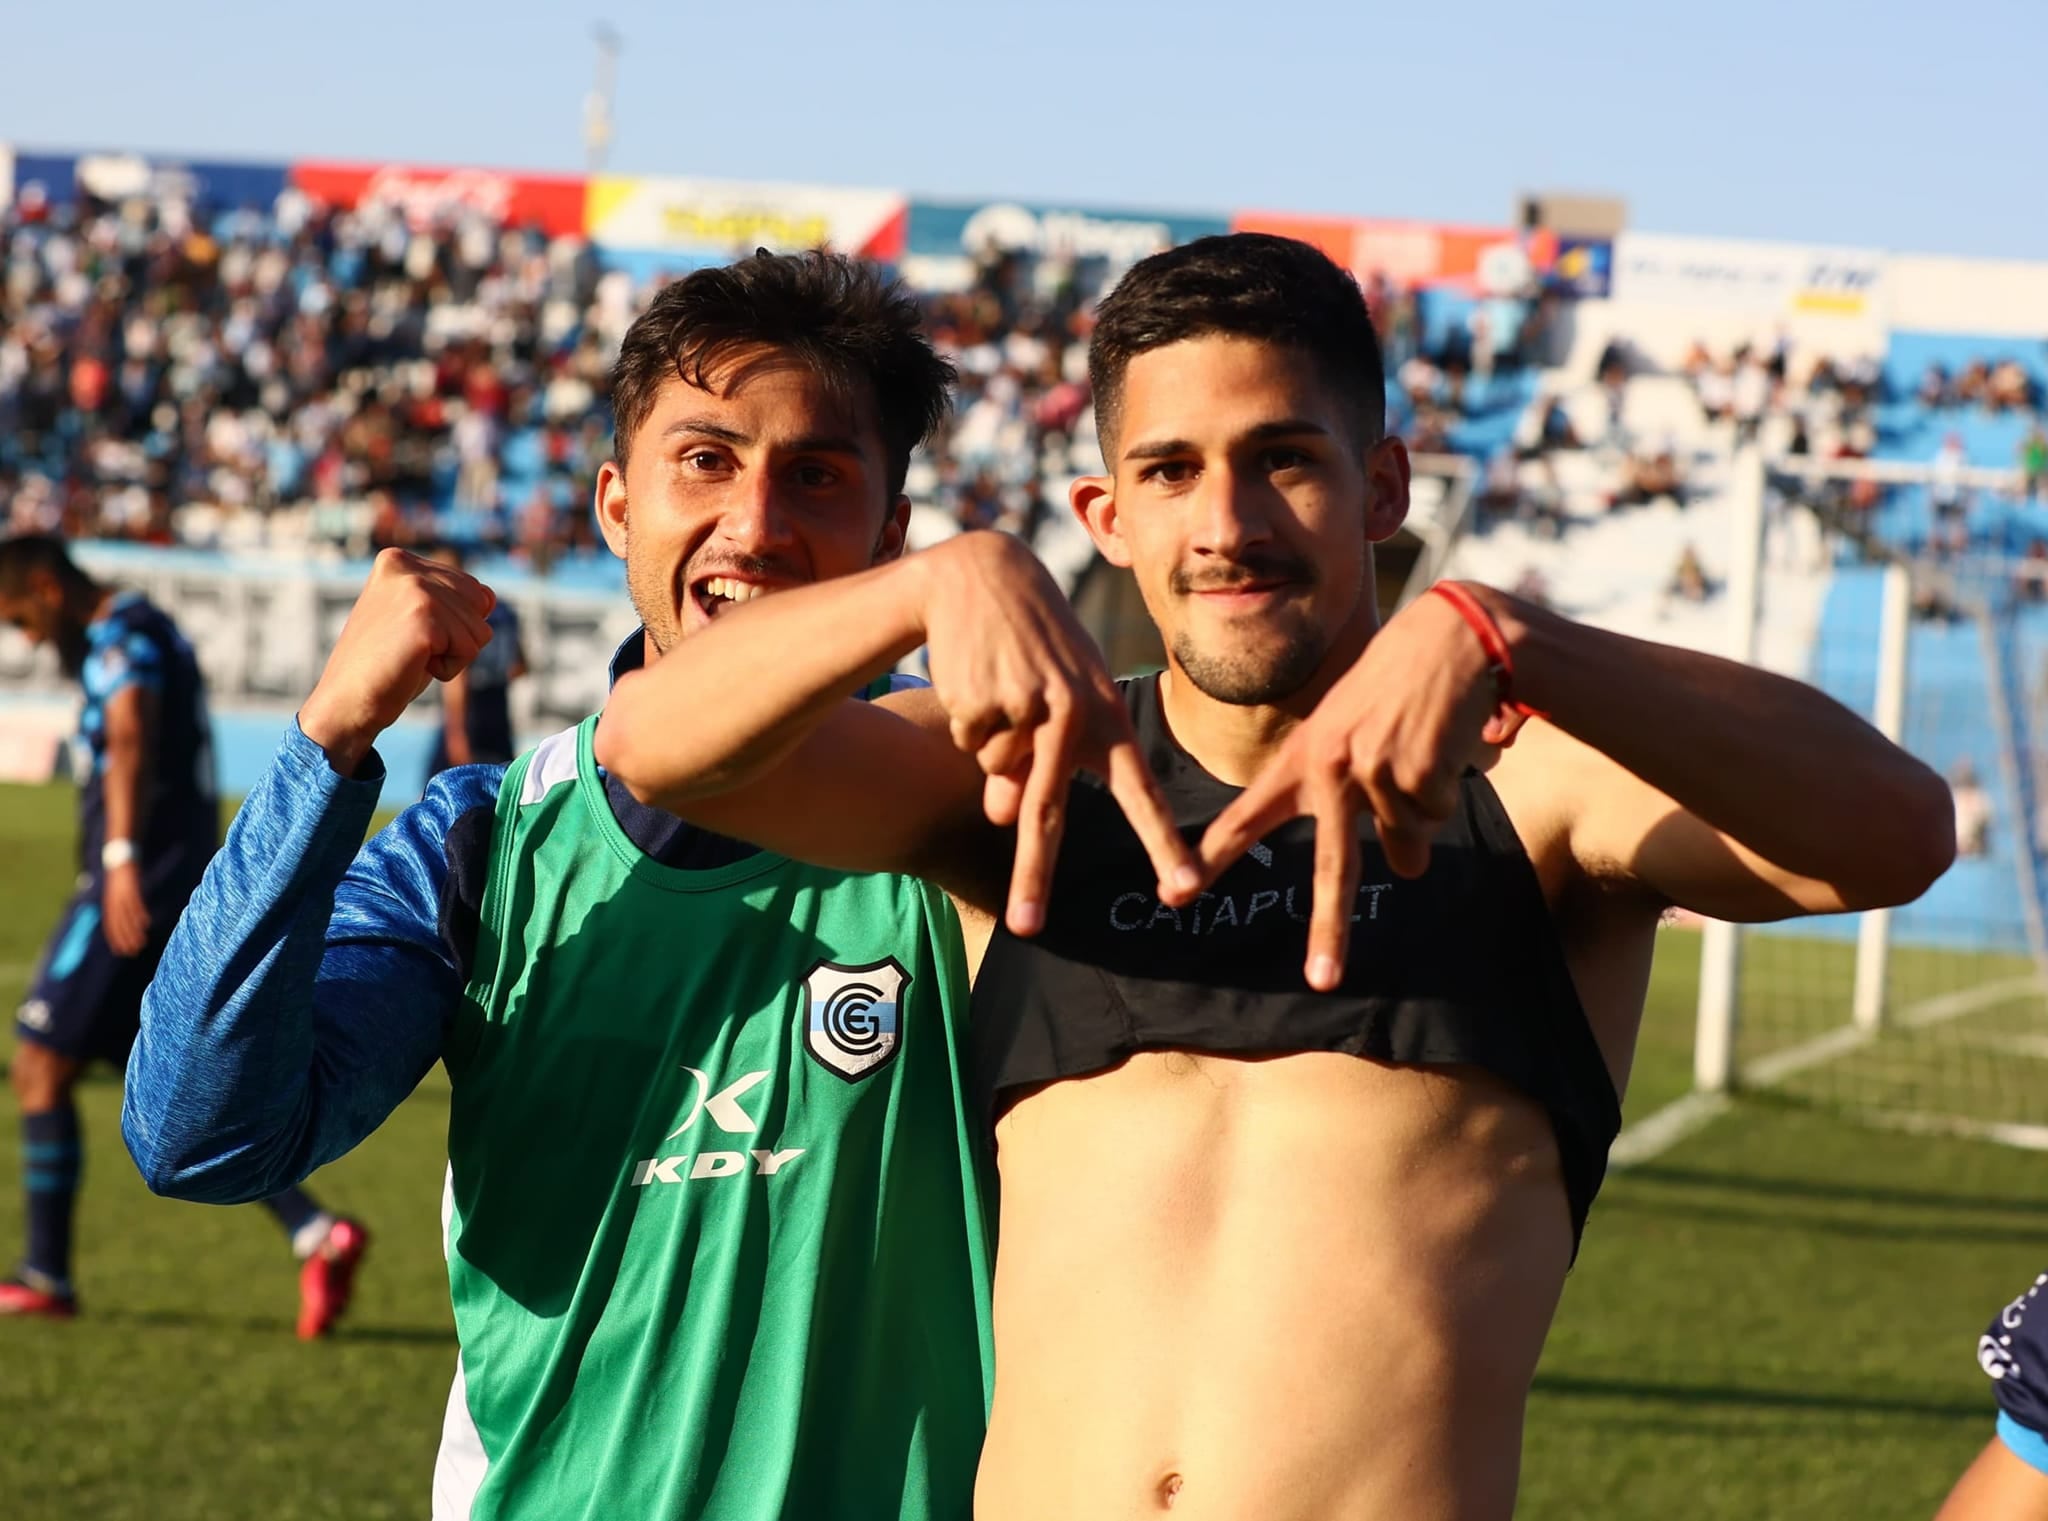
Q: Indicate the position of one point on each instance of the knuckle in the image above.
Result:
(1411, 776)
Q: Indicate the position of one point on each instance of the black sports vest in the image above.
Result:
(1459, 966)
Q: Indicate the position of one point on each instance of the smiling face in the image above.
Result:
(1245, 501)
(761, 479)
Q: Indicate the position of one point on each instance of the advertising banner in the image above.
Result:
(216, 186)
(940, 229)
(1427, 253)
(1582, 267)
(1333, 235)
(1418, 255)
(552, 202)
(730, 218)
(1775, 280)
(55, 173)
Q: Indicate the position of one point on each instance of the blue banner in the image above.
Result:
(1584, 267)
(212, 186)
(55, 172)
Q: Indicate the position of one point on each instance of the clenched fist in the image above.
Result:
(416, 621)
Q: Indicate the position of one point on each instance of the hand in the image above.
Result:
(124, 917)
(1028, 696)
(1393, 736)
(416, 621)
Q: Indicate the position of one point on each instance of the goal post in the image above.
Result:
(1932, 1016)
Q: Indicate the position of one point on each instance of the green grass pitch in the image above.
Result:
(1776, 1318)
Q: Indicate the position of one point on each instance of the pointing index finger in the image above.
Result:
(1267, 803)
(1137, 792)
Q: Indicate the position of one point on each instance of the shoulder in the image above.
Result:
(2013, 1352)
(446, 832)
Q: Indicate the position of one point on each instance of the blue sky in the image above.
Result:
(1910, 127)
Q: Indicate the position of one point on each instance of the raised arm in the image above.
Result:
(746, 727)
(1684, 777)
(306, 988)
(1717, 786)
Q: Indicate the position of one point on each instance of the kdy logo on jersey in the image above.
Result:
(855, 1021)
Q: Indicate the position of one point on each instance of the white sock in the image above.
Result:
(311, 1236)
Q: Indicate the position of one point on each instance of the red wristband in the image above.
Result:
(1500, 662)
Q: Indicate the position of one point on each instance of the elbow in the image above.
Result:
(618, 748)
(161, 1173)
(196, 1176)
(625, 746)
(1919, 841)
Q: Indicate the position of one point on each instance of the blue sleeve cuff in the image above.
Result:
(2023, 1442)
(312, 771)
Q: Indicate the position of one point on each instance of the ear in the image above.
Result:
(895, 532)
(1386, 489)
(609, 502)
(1093, 498)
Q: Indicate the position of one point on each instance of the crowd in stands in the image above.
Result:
(150, 360)
(168, 376)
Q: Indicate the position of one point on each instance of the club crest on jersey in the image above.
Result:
(855, 1018)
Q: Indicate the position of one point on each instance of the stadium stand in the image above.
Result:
(301, 376)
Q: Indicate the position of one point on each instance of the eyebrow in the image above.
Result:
(705, 427)
(1266, 432)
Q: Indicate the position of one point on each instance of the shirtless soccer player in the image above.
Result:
(1292, 1166)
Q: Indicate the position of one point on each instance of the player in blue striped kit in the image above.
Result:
(148, 822)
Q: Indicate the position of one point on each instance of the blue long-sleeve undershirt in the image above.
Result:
(307, 988)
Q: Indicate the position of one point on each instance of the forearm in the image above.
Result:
(121, 787)
(1772, 763)
(264, 1052)
(736, 698)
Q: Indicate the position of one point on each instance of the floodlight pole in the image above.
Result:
(597, 106)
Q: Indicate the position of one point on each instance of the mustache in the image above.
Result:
(1249, 571)
(754, 567)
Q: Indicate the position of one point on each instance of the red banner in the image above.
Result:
(553, 203)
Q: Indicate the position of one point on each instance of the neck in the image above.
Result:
(1233, 741)
(90, 601)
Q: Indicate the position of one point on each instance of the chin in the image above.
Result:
(1248, 678)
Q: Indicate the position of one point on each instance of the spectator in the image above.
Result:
(2030, 580)
(1945, 490)
(1716, 391)
(1647, 477)
(2010, 389)
(1973, 811)
(1750, 396)
(1689, 581)
(2034, 462)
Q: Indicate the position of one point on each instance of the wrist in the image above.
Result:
(1500, 627)
(117, 853)
(345, 745)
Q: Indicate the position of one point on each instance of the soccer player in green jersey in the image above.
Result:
(717, 1231)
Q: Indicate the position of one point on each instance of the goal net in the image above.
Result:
(1931, 620)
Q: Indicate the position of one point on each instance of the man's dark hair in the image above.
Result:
(1244, 285)
(25, 554)
(849, 323)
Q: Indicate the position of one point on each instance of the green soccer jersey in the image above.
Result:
(718, 1235)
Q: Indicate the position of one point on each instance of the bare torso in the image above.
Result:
(1303, 1288)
